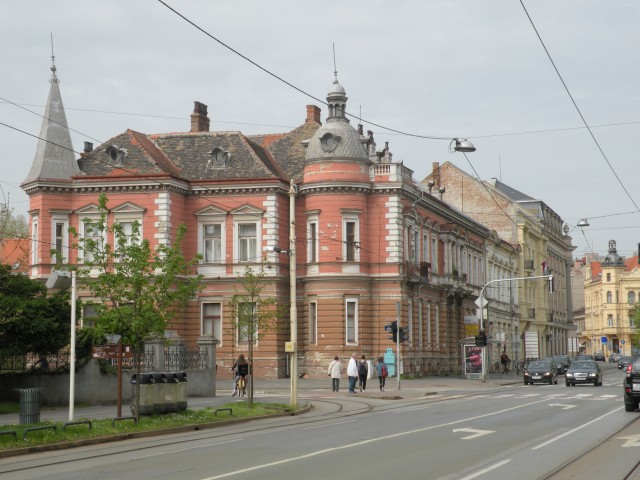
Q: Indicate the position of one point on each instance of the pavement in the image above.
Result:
(278, 391)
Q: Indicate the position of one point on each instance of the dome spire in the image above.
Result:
(54, 79)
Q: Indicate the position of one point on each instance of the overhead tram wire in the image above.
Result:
(298, 89)
(578, 108)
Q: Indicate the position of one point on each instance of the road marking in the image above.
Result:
(488, 469)
(563, 406)
(475, 433)
(403, 410)
(575, 429)
(207, 445)
(366, 442)
(608, 396)
(328, 425)
(506, 395)
(631, 441)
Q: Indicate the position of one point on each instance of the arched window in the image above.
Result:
(631, 297)
(609, 297)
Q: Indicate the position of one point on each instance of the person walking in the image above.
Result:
(335, 370)
(504, 360)
(352, 373)
(381, 370)
(363, 373)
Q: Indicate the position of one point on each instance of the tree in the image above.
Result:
(253, 315)
(31, 321)
(138, 288)
(12, 225)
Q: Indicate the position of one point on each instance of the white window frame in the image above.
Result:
(347, 218)
(210, 323)
(313, 322)
(216, 242)
(35, 240)
(434, 254)
(60, 219)
(437, 332)
(351, 301)
(128, 214)
(207, 217)
(82, 254)
(429, 339)
(410, 320)
(313, 239)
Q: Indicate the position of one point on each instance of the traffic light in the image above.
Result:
(481, 339)
(484, 339)
(393, 329)
(478, 341)
(551, 286)
(404, 334)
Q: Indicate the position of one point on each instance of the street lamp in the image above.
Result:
(292, 346)
(62, 279)
(462, 145)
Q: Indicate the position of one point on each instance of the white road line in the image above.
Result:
(366, 442)
(488, 469)
(403, 410)
(574, 430)
(328, 425)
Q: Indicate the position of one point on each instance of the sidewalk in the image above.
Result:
(278, 391)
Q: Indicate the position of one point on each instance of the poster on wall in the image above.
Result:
(472, 361)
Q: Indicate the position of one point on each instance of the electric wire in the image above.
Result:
(578, 108)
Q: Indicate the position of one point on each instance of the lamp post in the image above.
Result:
(292, 345)
(60, 279)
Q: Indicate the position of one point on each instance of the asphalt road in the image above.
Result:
(503, 432)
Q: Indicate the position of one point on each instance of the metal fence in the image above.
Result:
(185, 359)
(33, 362)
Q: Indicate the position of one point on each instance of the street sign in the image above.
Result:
(603, 340)
(622, 341)
(484, 302)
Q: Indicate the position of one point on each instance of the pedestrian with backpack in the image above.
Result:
(363, 373)
(382, 371)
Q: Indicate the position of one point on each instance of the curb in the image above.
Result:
(52, 447)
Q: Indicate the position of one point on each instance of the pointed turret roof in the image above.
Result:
(54, 159)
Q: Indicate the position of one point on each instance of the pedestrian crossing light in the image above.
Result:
(392, 328)
(404, 334)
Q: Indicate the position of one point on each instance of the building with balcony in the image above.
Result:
(372, 245)
(611, 295)
(544, 247)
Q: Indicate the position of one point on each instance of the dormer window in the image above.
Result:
(329, 142)
(219, 158)
(116, 154)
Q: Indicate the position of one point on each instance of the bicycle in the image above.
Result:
(241, 385)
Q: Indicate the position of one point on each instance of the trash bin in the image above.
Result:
(171, 393)
(182, 390)
(29, 405)
(146, 393)
(159, 386)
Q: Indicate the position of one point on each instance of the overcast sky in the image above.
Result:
(450, 68)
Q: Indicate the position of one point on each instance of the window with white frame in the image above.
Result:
(351, 320)
(60, 236)
(437, 322)
(129, 218)
(428, 322)
(246, 322)
(631, 297)
(350, 236)
(212, 320)
(312, 239)
(425, 248)
(92, 239)
(434, 255)
(211, 238)
(35, 240)
(313, 323)
(410, 320)
(247, 242)
(609, 297)
(609, 320)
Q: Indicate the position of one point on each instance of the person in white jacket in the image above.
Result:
(335, 371)
(352, 373)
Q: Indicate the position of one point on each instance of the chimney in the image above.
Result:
(88, 147)
(313, 114)
(199, 118)
(435, 173)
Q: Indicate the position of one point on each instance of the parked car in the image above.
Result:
(562, 361)
(583, 371)
(631, 384)
(599, 357)
(542, 371)
(624, 361)
(614, 358)
(584, 357)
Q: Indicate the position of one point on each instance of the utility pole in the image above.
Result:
(398, 342)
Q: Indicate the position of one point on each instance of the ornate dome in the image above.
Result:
(613, 259)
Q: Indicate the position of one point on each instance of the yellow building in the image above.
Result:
(611, 290)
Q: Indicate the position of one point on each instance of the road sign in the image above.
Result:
(603, 339)
(484, 302)
(622, 341)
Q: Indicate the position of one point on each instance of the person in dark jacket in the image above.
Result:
(381, 370)
(363, 373)
(241, 367)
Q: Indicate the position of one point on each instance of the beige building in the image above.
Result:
(545, 324)
(611, 292)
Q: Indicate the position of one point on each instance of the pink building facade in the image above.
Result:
(370, 241)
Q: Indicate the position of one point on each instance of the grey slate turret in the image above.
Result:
(55, 158)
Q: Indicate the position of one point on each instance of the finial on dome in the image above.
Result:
(335, 68)
(53, 63)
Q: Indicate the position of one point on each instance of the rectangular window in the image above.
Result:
(313, 323)
(434, 255)
(350, 240)
(92, 240)
(313, 242)
(246, 322)
(212, 243)
(351, 307)
(425, 248)
(212, 320)
(437, 332)
(609, 320)
(131, 232)
(89, 316)
(428, 322)
(247, 242)
(410, 321)
(60, 237)
(34, 241)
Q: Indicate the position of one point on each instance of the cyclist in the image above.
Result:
(241, 367)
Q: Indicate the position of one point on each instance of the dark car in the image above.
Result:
(631, 384)
(624, 361)
(584, 357)
(542, 371)
(599, 357)
(562, 361)
(583, 371)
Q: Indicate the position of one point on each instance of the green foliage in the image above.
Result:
(31, 321)
(11, 225)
